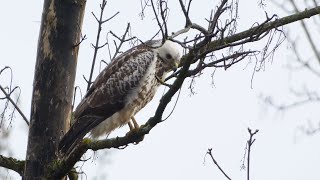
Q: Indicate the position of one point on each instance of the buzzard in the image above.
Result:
(121, 90)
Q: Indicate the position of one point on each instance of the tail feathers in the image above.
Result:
(77, 131)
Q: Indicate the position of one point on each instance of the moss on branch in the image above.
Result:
(12, 163)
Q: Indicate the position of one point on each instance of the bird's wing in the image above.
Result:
(108, 93)
(115, 82)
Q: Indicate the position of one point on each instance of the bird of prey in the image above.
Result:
(121, 90)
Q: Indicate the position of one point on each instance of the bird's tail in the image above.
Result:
(77, 131)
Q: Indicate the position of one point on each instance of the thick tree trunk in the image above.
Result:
(53, 83)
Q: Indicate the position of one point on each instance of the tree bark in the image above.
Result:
(53, 84)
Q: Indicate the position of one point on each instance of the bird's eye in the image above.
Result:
(168, 56)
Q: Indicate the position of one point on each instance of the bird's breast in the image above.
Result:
(145, 91)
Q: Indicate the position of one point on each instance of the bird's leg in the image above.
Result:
(130, 125)
(134, 127)
(135, 124)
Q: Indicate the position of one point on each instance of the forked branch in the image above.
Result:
(96, 47)
(8, 97)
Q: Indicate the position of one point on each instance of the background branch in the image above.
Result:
(7, 96)
(96, 47)
(305, 29)
(216, 163)
(249, 144)
(225, 42)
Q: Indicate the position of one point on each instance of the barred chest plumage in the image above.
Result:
(136, 99)
(148, 87)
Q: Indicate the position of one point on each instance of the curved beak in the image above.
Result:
(175, 66)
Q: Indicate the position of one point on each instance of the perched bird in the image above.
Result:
(121, 90)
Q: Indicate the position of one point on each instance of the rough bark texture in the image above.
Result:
(53, 83)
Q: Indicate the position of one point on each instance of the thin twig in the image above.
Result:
(96, 46)
(122, 40)
(163, 13)
(81, 40)
(14, 104)
(250, 143)
(186, 13)
(306, 30)
(102, 6)
(216, 163)
(158, 21)
(305, 64)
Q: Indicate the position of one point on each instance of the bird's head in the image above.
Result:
(169, 55)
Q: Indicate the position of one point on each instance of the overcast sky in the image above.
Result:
(217, 116)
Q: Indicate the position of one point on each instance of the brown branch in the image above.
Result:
(185, 13)
(66, 164)
(96, 46)
(249, 144)
(7, 96)
(163, 13)
(12, 163)
(122, 40)
(158, 21)
(236, 57)
(216, 163)
(213, 22)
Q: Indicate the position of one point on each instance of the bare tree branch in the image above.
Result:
(12, 163)
(304, 27)
(186, 13)
(222, 43)
(96, 46)
(216, 163)
(306, 98)
(122, 40)
(7, 96)
(158, 21)
(249, 144)
(300, 60)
